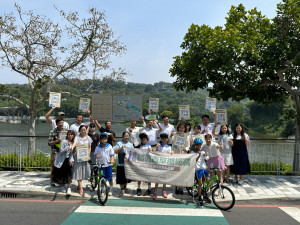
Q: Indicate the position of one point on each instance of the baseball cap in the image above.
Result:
(61, 113)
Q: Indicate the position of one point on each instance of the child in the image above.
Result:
(104, 155)
(215, 161)
(201, 168)
(162, 147)
(225, 139)
(144, 140)
(181, 128)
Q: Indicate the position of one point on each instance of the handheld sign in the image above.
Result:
(153, 104)
(210, 104)
(54, 99)
(221, 116)
(152, 117)
(82, 151)
(184, 112)
(84, 104)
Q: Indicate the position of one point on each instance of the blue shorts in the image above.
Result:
(107, 173)
(202, 173)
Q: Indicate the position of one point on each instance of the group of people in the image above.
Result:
(229, 151)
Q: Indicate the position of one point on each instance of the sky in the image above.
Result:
(151, 30)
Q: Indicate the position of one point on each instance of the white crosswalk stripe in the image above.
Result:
(292, 211)
(150, 211)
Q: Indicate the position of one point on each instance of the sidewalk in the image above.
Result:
(36, 184)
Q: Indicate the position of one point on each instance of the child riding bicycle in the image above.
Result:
(104, 154)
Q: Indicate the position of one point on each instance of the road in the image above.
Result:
(42, 211)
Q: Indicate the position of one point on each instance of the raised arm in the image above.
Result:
(214, 130)
(97, 124)
(47, 116)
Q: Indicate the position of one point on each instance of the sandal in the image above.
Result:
(81, 192)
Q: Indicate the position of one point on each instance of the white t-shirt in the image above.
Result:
(239, 137)
(152, 135)
(165, 148)
(200, 164)
(146, 147)
(209, 128)
(224, 140)
(105, 154)
(134, 135)
(66, 125)
(212, 149)
(75, 127)
(167, 130)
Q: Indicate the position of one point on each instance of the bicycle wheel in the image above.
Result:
(102, 191)
(223, 197)
(93, 178)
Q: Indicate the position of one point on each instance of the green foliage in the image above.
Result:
(267, 168)
(166, 113)
(251, 56)
(37, 161)
(236, 114)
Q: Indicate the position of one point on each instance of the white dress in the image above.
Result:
(81, 170)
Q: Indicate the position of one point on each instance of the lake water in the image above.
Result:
(259, 150)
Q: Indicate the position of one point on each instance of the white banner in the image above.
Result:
(162, 168)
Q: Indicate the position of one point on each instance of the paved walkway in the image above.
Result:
(29, 184)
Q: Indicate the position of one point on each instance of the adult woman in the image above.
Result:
(62, 168)
(119, 149)
(81, 170)
(240, 154)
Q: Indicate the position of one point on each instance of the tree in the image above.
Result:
(43, 51)
(236, 115)
(250, 56)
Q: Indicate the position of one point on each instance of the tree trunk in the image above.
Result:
(31, 132)
(296, 163)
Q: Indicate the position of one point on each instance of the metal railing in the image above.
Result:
(273, 156)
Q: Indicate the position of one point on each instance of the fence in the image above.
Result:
(273, 156)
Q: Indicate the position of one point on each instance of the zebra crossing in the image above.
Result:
(133, 212)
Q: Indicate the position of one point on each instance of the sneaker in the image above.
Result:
(241, 182)
(63, 189)
(207, 199)
(69, 191)
(127, 190)
(109, 193)
(236, 180)
(154, 196)
(180, 191)
(147, 192)
(201, 202)
(52, 183)
(138, 192)
(164, 194)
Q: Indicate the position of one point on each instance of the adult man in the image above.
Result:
(54, 141)
(77, 123)
(60, 115)
(152, 132)
(135, 132)
(167, 128)
(206, 127)
(108, 130)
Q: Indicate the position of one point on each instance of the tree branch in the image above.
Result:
(16, 100)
